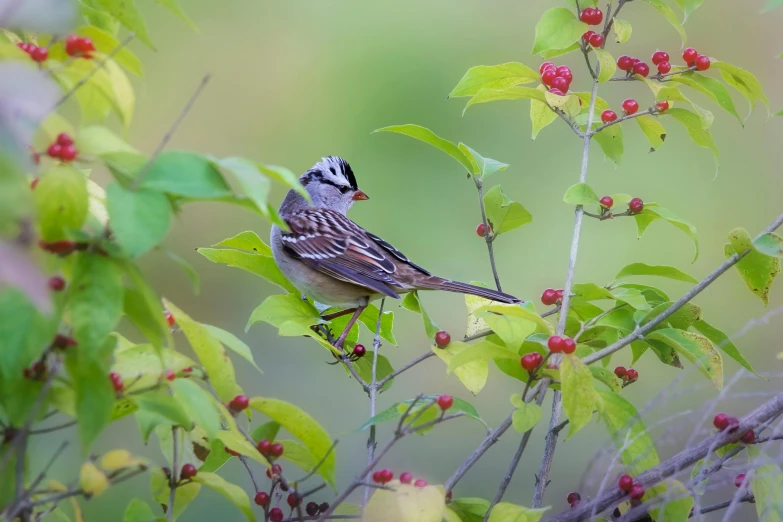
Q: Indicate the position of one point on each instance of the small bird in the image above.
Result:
(331, 259)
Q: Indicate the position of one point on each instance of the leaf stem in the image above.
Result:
(174, 472)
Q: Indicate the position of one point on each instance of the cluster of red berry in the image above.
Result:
(630, 375)
(593, 38)
(442, 339)
(558, 344)
(592, 16)
(79, 46)
(635, 491)
(383, 476)
(38, 54)
(558, 79)
(552, 296)
(269, 449)
(531, 361)
(62, 342)
(63, 148)
(662, 62)
(723, 422)
(694, 59)
(36, 372)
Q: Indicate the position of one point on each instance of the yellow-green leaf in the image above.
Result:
(766, 484)
(607, 65)
(232, 492)
(504, 214)
(413, 303)
(757, 270)
(473, 374)
(92, 480)
(406, 503)
(693, 124)
(482, 351)
(622, 30)
(630, 436)
(670, 16)
(653, 130)
(557, 29)
(61, 201)
(540, 114)
(526, 416)
(694, 347)
(237, 442)
(509, 93)
(506, 512)
(493, 77)
(129, 16)
(119, 459)
(579, 395)
(653, 212)
(427, 136)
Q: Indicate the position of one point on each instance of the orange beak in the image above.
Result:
(359, 196)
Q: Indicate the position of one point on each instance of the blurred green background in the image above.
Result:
(297, 80)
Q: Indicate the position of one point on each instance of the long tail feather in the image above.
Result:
(437, 283)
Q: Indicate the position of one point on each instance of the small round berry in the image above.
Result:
(749, 437)
(559, 294)
(739, 479)
(274, 470)
(387, 475)
(637, 492)
(569, 346)
(531, 361)
(406, 477)
(170, 375)
(276, 450)
(606, 202)
(442, 339)
(620, 371)
(263, 447)
(555, 344)
(62, 342)
(116, 381)
(420, 483)
(292, 500)
(573, 497)
(733, 424)
(630, 106)
(660, 56)
(231, 452)
(55, 150)
(481, 230)
(549, 297)
(359, 350)
(56, 284)
(544, 66)
(721, 421)
(625, 483)
(689, 55)
(586, 15)
(86, 45)
(560, 83)
(72, 45)
(69, 153)
(548, 76)
(574, 504)
(636, 205)
(608, 116)
(564, 72)
(169, 318)
(35, 181)
(262, 499)
(557, 92)
(189, 369)
(276, 515)
(323, 507)
(445, 402)
(596, 40)
(625, 63)
(377, 476)
(598, 17)
(40, 54)
(587, 35)
(642, 69)
(311, 509)
(239, 403)
(632, 374)
(702, 62)
(64, 139)
(664, 67)
(662, 106)
(188, 471)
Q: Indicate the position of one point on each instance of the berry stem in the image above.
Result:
(622, 119)
(659, 76)
(489, 236)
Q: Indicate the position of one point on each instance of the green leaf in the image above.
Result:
(298, 454)
(406, 502)
(504, 214)
(95, 301)
(670, 16)
(289, 313)
(688, 6)
(129, 16)
(678, 505)
(183, 495)
(186, 174)
(745, 82)
(233, 493)
(473, 375)
(94, 393)
(413, 303)
(554, 53)
(210, 353)
(143, 364)
(233, 343)
(238, 443)
(106, 43)
(558, 28)
(286, 177)
(580, 194)
(606, 63)
(642, 269)
(427, 136)
(766, 483)
(200, 405)
(653, 129)
(579, 395)
(383, 369)
(369, 318)
(694, 347)
(540, 114)
(516, 311)
(174, 7)
(757, 270)
(622, 30)
(653, 212)
(493, 77)
(61, 201)
(123, 97)
(510, 93)
(506, 512)
(395, 411)
(526, 416)
(611, 141)
(569, 104)
(482, 351)
(190, 272)
(723, 342)
(159, 408)
(469, 509)
(630, 436)
(693, 124)
(255, 185)
(26, 333)
(138, 511)
(481, 166)
(303, 427)
(139, 220)
(607, 377)
(710, 87)
(769, 244)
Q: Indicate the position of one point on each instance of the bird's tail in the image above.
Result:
(438, 283)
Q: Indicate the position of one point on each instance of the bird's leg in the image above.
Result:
(341, 313)
(351, 322)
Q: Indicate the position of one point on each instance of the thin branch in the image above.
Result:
(174, 472)
(317, 517)
(488, 235)
(408, 366)
(659, 77)
(371, 442)
(54, 428)
(319, 463)
(624, 118)
(724, 505)
(244, 461)
(542, 479)
(143, 173)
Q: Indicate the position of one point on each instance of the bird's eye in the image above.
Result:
(343, 189)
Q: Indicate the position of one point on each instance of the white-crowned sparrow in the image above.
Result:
(336, 262)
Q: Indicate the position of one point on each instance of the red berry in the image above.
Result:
(608, 116)
(531, 361)
(721, 421)
(274, 470)
(64, 139)
(662, 106)
(311, 509)
(544, 66)
(56, 283)
(586, 15)
(323, 507)
(636, 205)
(359, 350)
(739, 479)
(587, 35)
(689, 55)
(560, 83)
(231, 452)
(58, 247)
(276, 450)
(660, 56)
(573, 497)
(292, 500)
(598, 17)
(632, 374)
(596, 40)
(387, 475)
(620, 371)
(606, 201)
(189, 369)
(591, 16)
(239, 403)
(642, 69)
(69, 153)
(86, 45)
(637, 492)
(377, 477)
(406, 478)
(564, 72)
(749, 437)
(549, 297)
(625, 63)
(420, 483)
(557, 92)
(664, 67)
(559, 294)
(702, 62)
(276, 515)
(55, 150)
(574, 504)
(445, 402)
(733, 424)
(555, 344)
(170, 375)
(262, 499)
(62, 342)
(188, 471)
(481, 230)
(72, 44)
(169, 318)
(442, 339)
(625, 483)
(547, 77)
(569, 346)
(40, 54)
(263, 447)
(116, 381)
(35, 181)
(630, 106)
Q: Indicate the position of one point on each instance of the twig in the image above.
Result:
(659, 77)
(319, 463)
(488, 235)
(244, 461)
(143, 173)
(54, 428)
(627, 117)
(174, 472)
(330, 517)
(371, 442)
(76, 492)
(724, 505)
(542, 479)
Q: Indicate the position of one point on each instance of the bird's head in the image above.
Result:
(331, 184)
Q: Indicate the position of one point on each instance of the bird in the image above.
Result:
(336, 262)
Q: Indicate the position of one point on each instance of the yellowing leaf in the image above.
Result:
(232, 492)
(92, 480)
(694, 347)
(482, 351)
(756, 269)
(506, 512)
(493, 77)
(540, 115)
(119, 459)
(579, 395)
(622, 30)
(630, 436)
(526, 416)
(473, 374)
(653, 130)
(237, 442)
(406, 504)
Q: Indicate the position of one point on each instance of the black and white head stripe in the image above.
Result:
(334, 171)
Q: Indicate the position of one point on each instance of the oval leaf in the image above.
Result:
(694, 347)
(579, 395)
(557, 29)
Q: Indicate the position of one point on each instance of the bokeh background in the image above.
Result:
(297, 80)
